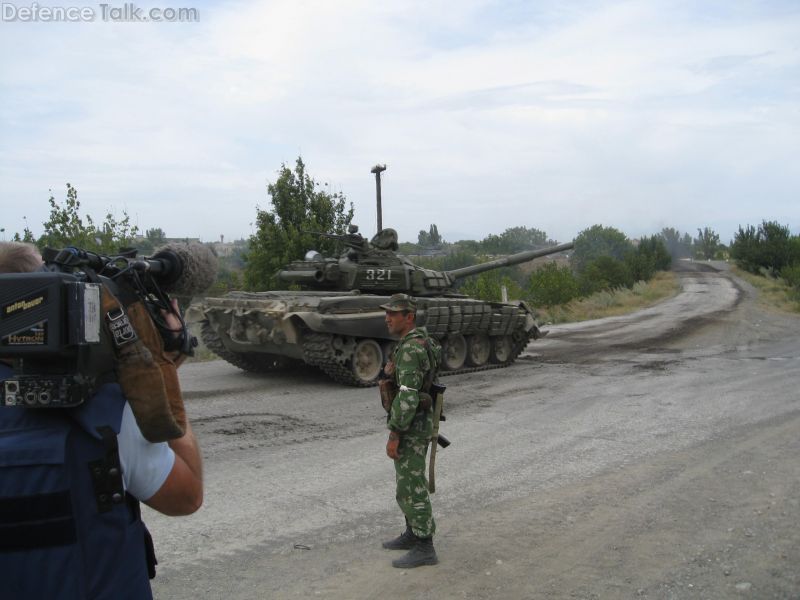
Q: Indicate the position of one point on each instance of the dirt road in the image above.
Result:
(647, 456)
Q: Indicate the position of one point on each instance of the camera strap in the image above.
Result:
(106, 473)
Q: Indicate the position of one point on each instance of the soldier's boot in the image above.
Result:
(422, 553)
(404, 541)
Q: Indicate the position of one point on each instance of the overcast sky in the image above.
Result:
(489, 114)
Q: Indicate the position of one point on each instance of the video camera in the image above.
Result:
(53, 328)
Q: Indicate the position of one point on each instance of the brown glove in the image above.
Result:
(387, 386)
(393, 445)
(148, 378)
(388, 389)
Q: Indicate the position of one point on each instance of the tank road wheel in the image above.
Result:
(478, 349)
(501, 349)
(367, 360)
(454, 352)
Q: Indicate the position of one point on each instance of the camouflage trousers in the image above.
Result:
(412, 486)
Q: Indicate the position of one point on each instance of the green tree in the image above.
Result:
(66, 227)
(285, 232)
(551, 285)
(706, 244)
(769, 247)
(488, 286)
(655, 249)
(430, 238)
(433, 235)
(471, 247)
(153, 238)
(604, 273)
(597, 241)
(678, 246)
(423, 239)
(27, 236)
(776, 245)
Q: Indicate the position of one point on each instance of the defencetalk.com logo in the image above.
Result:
(125, 13)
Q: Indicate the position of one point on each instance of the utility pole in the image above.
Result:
(378, 169)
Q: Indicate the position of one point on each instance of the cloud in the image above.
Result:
(634, 115)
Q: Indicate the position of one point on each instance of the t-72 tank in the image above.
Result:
(336, 324)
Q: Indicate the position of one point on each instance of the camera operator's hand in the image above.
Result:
(175, 325)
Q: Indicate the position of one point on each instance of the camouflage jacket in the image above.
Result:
(412, 362)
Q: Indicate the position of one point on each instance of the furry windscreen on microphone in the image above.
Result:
(197, 269)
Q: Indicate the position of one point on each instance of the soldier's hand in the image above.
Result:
(393, 445)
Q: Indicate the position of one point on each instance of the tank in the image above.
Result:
(335, 322)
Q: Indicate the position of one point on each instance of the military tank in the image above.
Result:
(335, 322)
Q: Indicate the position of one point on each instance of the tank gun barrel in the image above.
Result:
(507, 261)
(315, 276)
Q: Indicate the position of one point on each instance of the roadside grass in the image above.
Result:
(773, 293)
(613, 303)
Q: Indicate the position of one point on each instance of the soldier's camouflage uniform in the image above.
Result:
(412, 362)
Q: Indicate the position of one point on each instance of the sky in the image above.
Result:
(488, 114)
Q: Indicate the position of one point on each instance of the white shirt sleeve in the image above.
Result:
(145, 465)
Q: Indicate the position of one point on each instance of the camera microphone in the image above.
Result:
(184, 269)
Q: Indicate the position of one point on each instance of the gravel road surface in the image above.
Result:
(648, 456)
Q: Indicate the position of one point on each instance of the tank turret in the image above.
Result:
(375, 267)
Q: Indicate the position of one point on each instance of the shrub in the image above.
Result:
(487, 286)
(791, 275)
(552, 285)
(769, 247)
(604, 273)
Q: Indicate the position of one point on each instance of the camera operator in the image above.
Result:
(71, 480)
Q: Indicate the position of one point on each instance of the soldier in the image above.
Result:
(412, 370)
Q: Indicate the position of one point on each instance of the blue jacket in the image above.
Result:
(67, 529)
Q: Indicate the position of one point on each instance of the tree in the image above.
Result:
(597, 241)
(153, 238)
(604, 273)
(677, 245)
(27, 236)
(488, 286)
(66, 227)
(551, 285)
(654, 248)
(517, 239)
(768, 247)
(776, 246)
(707, 243)
(285, 232)
(514, 239)
(430, 238)
(435, 238)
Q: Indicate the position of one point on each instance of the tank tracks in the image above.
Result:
(253, 362)
(318, 352)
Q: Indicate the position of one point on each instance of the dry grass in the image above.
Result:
(612, 303)
(773, 294)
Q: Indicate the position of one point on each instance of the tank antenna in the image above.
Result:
(378, 169)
